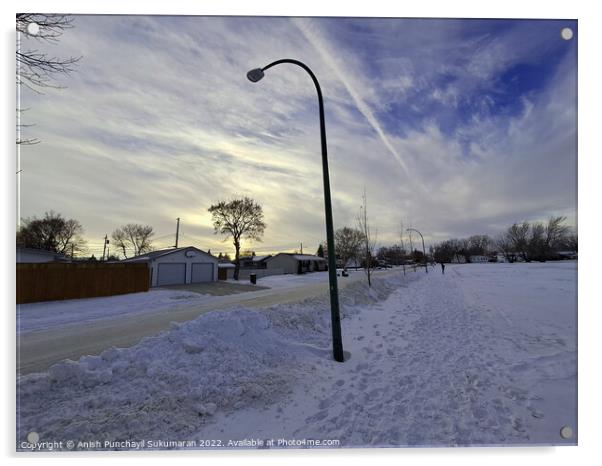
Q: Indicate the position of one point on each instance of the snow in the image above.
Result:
(483, 355)
(49, 314)
(294, 280)
(72, 313)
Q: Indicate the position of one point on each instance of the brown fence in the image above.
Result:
(52, 281)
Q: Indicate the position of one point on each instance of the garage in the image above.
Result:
(171, 274)
(179, 266)
(201, 272)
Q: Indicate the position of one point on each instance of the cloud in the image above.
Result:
(448, 123)
(313, 36)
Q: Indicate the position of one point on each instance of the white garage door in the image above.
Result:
(171, 274)
(202, 272)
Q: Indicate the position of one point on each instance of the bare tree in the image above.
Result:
(464, 249)
(536, 243)
(36, 69)
(134, 236)
(348, 242)
(368, 238)
(52, 233)
(479, 245)
(556, 233)
(518, 234)
(571, 242)
(504, 243)
(403, 261)
(238, 218)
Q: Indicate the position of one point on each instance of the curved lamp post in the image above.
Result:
(426, 266)
(337, 340)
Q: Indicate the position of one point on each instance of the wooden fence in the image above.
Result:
(53, 281)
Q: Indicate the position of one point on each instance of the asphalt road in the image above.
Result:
(36, 351)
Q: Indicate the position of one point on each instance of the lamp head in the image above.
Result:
(255, 75)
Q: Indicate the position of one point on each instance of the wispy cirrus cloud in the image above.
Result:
(312, 34)
(448, 122)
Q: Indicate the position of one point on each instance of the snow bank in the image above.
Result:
(169, 385)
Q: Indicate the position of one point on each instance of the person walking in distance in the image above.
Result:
(442, 268)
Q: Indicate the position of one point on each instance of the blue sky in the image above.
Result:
(455, 127)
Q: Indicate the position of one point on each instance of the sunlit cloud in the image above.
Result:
(449, 125)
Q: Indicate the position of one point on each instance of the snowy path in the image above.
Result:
(435, 360)
(430, 367)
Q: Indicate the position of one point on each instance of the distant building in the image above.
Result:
(353, 264)
(479, 259)
(225, 270)
(253, 262)
(33, 256)
(178, 266)
(571, 255)
(296, 263)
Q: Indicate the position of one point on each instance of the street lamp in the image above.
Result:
(426, 266)
(337, 340)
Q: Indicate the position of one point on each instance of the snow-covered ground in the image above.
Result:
(78, 312)
(48, 314)
(485, 354)
(53, 314)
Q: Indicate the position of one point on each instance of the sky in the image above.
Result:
(454, 127)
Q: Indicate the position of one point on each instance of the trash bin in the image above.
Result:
(253, 278)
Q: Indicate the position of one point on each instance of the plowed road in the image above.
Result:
(38, 350)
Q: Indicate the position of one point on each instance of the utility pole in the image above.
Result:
(104, 248)
(301, 248)
(177, 232)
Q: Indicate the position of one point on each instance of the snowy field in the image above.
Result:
(483, 355)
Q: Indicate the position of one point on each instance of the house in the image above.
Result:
(353, 264)
(296, 263)
(178, 266)
(225, 270)
(498, 257)
(569, 255)
(253, 262)
(508, 257)
(33, 256)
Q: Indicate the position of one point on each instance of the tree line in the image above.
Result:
(350, 245)
(535, 241)
(61, 235)
(237, 218)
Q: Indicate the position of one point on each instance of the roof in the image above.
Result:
(255, 258)
(152, 255)
(308, 257)
(41, 252)
(228, 265)
(300, 257)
